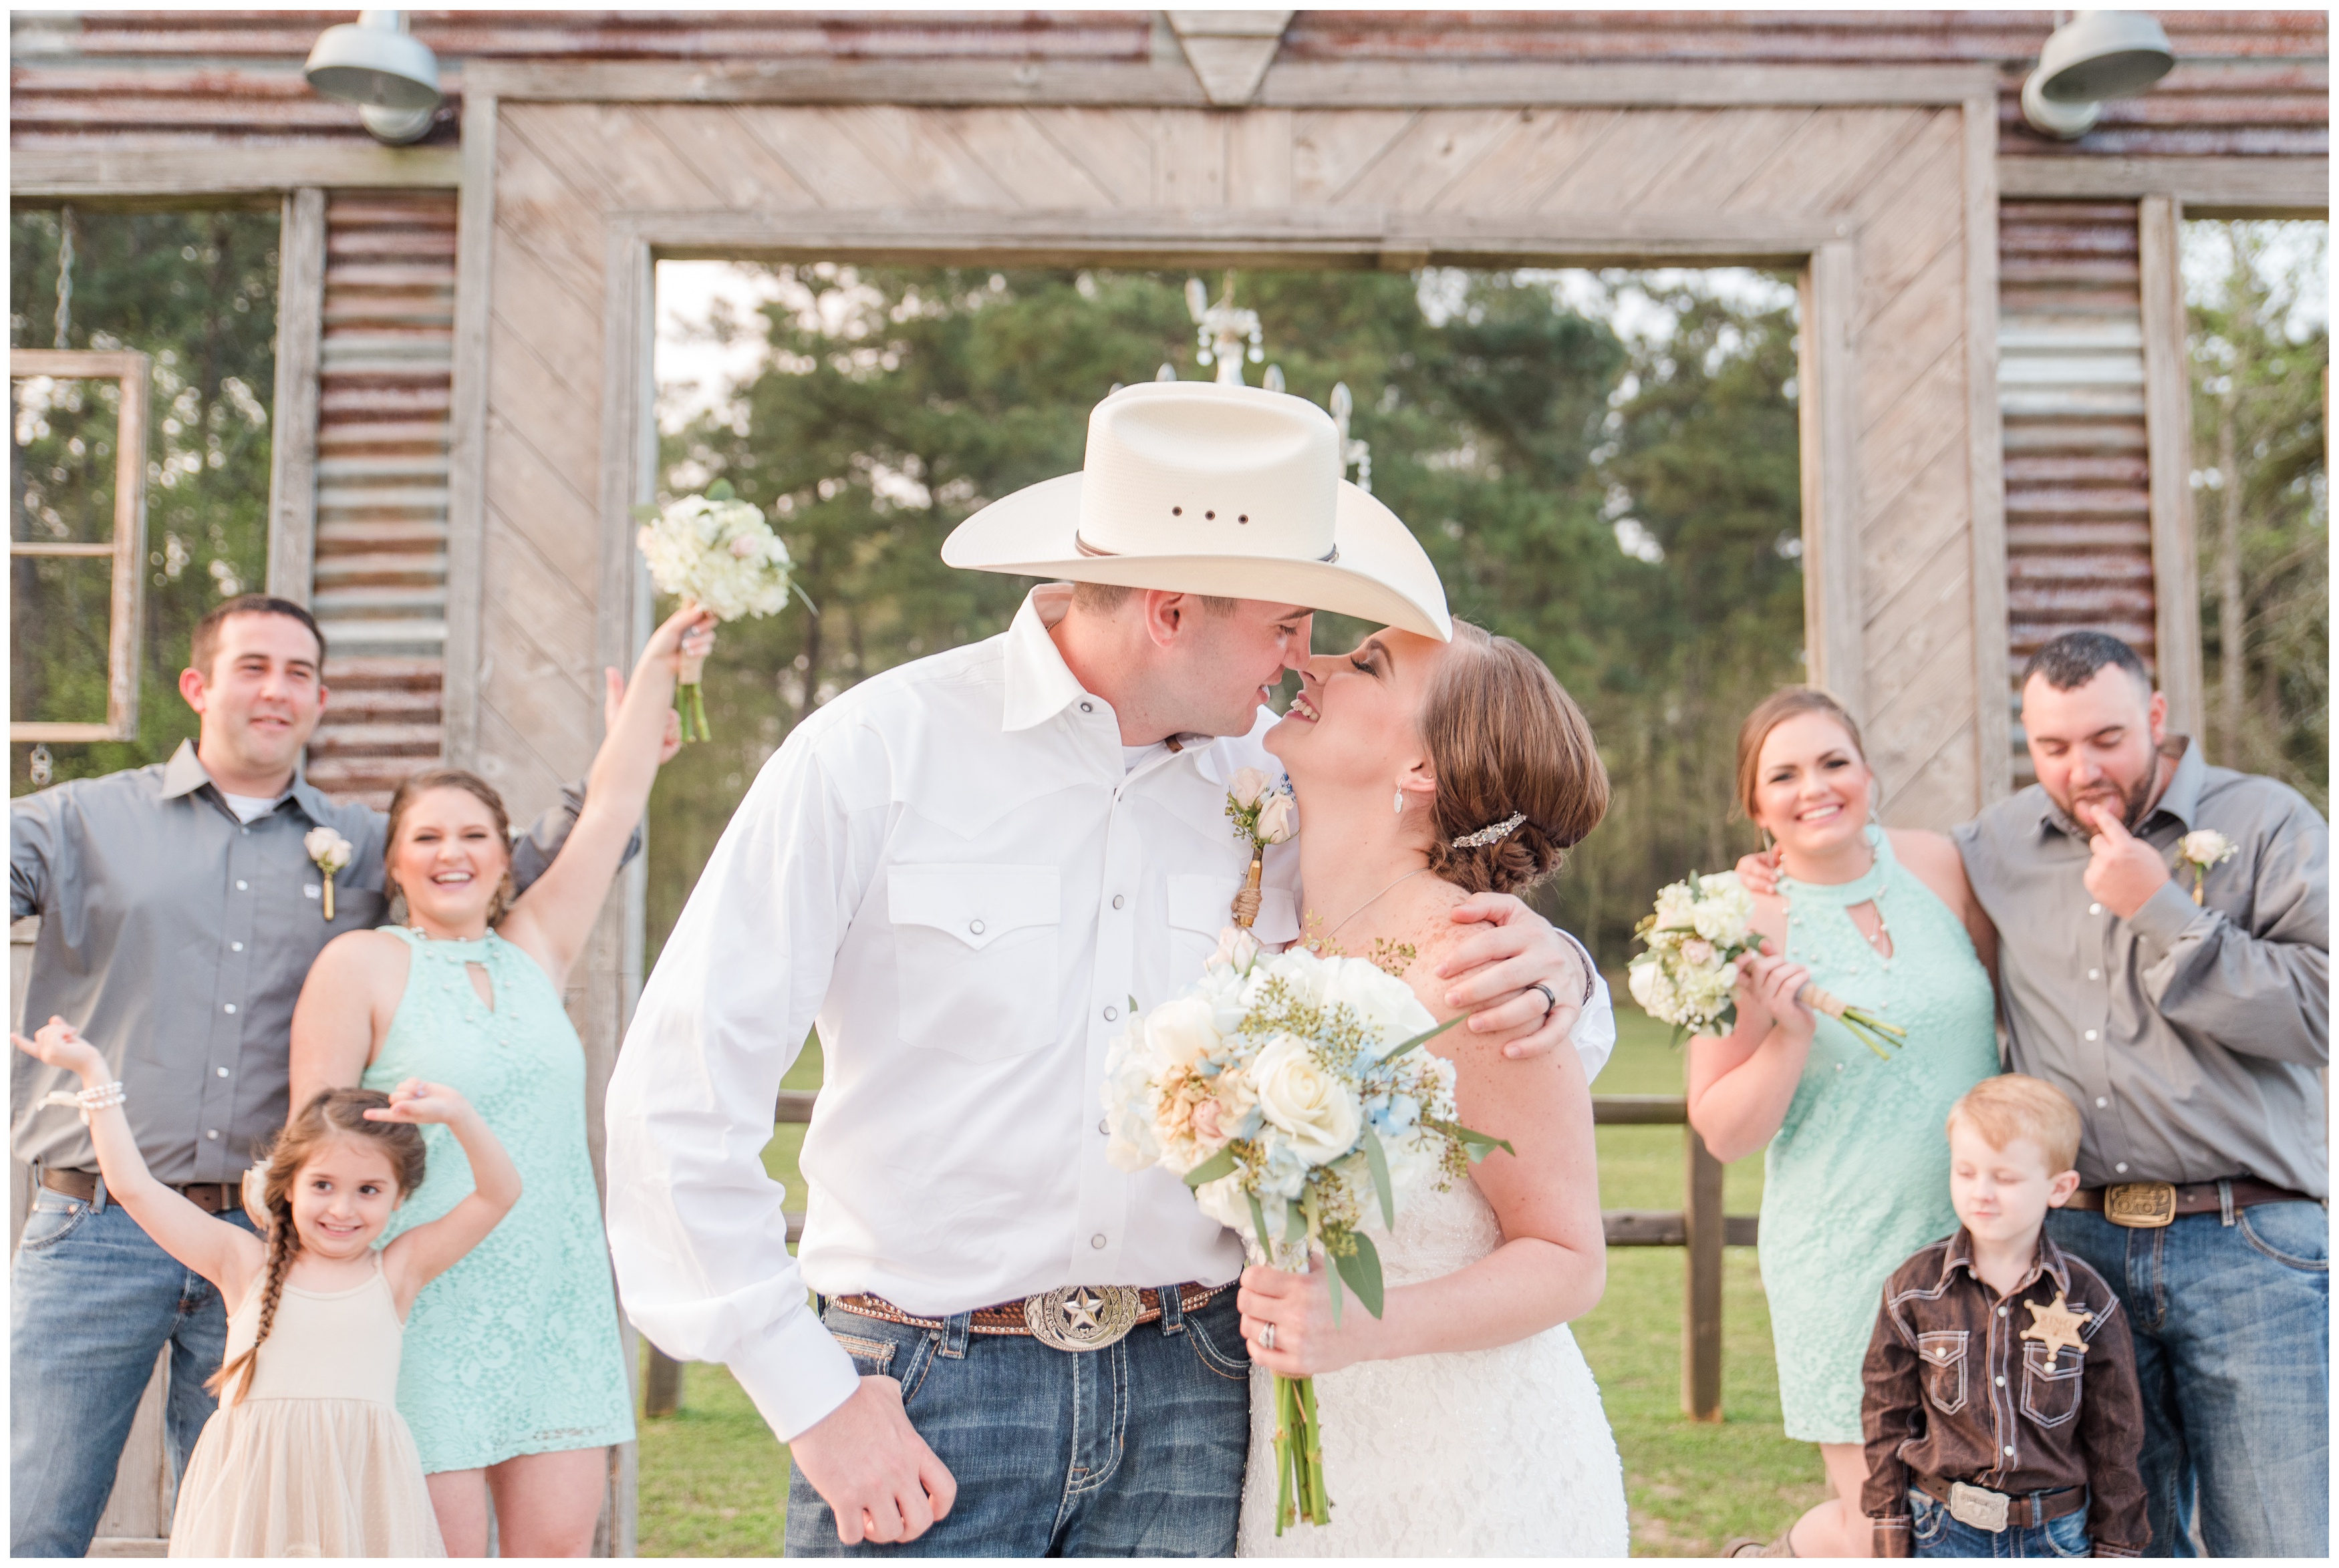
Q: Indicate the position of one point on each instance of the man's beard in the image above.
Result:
(2134, 802)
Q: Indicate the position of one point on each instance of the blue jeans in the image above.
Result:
(2232, 1326)
(94, 1301)
(1133, 1450)
(1935, 1534)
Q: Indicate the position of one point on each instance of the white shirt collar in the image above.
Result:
(1039, 684)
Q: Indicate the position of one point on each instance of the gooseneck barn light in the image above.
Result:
(388, 72)
(2094, 57)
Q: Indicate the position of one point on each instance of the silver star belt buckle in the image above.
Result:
(1081, 1317)
(1978, 1506)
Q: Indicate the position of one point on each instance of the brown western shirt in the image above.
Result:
(1954, 1391)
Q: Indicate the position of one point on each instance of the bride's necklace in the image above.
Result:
(1368, 903)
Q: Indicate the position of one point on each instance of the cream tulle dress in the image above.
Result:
(315, 1461)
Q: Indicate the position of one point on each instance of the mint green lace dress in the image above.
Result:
(514, 1349)
(1858, 1175)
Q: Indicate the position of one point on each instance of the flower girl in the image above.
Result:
(307, 1455)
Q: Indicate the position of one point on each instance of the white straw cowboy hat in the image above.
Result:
(1200, 489)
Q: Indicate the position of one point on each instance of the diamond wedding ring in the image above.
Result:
(1267, 1338)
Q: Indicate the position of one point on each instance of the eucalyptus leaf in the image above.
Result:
(645, 513)
(1294, 1227)
(1362, 1269)
(1257, 1220)
(1220, 1164)
(1377, 1158)
(1332, 1281)
(1476, 1144)
(1427, 1034)
(721, 490)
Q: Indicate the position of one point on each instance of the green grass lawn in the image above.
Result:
(714, 1481)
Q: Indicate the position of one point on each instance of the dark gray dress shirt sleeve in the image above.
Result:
(2264, 992)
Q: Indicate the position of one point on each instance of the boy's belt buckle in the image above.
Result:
(1978, 1506)
(1081, 1317)
(2141, 1204)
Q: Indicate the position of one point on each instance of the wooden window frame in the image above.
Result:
(128, 546)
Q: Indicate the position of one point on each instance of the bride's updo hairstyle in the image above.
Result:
(1506, 740)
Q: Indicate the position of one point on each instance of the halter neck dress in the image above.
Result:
(1857, 1177)
(514, 1350)
(313, 1460)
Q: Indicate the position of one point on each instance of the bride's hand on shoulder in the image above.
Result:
(1298, 1308)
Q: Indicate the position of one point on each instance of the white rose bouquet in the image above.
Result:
(1288, 1092)
(1264, 812)
(719, 553)
(1699, 932)
(2201, 849)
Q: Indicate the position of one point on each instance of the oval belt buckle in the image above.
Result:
(1081, 1317)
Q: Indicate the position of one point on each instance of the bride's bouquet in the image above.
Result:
(1289, 1091)
(1699, 932)
(717, 552)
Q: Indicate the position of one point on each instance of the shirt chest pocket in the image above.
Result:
(1943, 1354)
(975, 957)
(2050, 1382)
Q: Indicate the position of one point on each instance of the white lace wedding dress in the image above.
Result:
(1502, 1453)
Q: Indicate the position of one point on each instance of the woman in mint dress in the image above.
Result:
(513, 1379)
(1857, 1176)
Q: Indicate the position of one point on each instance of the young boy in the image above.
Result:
(2001, 1414)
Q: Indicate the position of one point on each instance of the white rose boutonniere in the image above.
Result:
(1264, 813)
(332, 852)
(2201, 850)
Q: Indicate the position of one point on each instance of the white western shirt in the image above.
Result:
(946, 870)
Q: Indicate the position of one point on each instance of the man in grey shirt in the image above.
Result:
(2189, 1035)
(180, 913)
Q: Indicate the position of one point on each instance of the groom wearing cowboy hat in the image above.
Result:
(961, 871)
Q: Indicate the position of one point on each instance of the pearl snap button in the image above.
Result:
(2092, 909)
(223, 1072)
(242, 886)
(2091, 1034)
(1104, 1126)
(2095, 974)
(2001, 1311)
(235, 947)
(1097, 1241)
(2002, 1383)
(975, 926)
(1089, 708)
(212, 1133)
(2010, 1450)
(2101, 1102)
(1117, 901)
(1111, 1014)
(231, 1007)
(2121, 1168)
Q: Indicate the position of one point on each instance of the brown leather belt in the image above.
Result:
(2149, 1205)
(2024, 1511)
(1072, 1317)
(210, 1197)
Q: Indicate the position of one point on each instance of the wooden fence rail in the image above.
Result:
(1700, 1227)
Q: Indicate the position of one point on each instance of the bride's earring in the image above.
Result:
(1400, 802)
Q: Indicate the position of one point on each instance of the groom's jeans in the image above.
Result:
(2232, 1326)
(92, 1301)
(1135, 1450)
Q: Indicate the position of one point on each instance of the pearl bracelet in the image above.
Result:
(88, 1100)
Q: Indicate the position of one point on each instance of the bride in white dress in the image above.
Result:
(1464, 1421)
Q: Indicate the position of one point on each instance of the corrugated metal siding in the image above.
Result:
(2248, 81)
(380, 589)
(2070, 390)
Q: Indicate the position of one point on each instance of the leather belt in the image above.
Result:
(1995, 1511)
(2149, 1205)
(1070, 1318)
(210, 1197)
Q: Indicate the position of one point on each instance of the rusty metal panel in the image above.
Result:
(380, 593)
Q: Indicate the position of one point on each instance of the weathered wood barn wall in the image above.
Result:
(1994, 400)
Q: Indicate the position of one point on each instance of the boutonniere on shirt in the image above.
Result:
(332, 852)
(2202, 850)
(1264, 813)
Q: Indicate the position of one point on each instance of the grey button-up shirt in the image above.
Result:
(176, 938)
(2189, 1036)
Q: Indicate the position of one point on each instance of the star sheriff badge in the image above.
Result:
(2057, 1326)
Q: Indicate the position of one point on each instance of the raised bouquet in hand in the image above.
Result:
(1696, 937)
(718, 553)
(1290, 1094)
